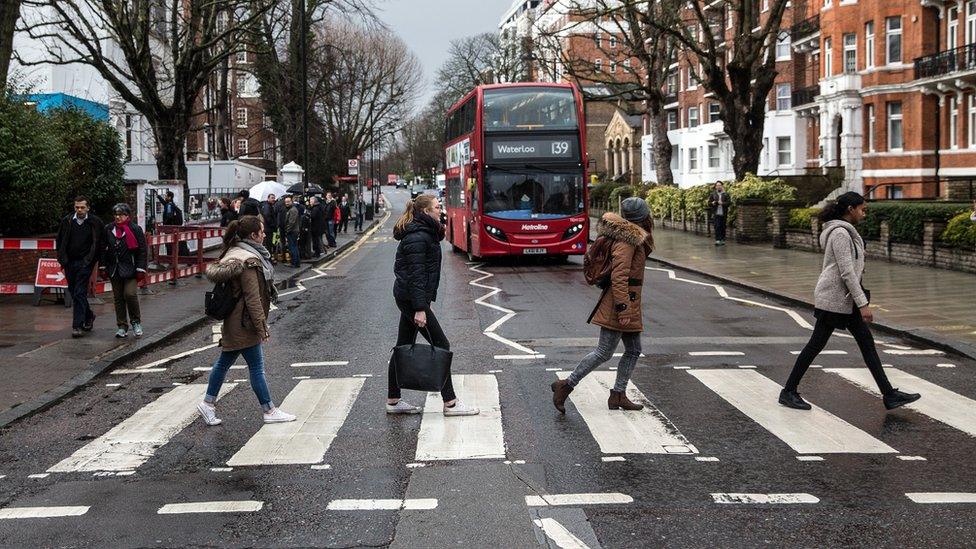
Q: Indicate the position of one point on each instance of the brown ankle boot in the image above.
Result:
(620, 400)
(560, 392)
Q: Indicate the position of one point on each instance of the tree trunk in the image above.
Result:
(9, 13)
(662, 149)
(222, 106)
(170, 162)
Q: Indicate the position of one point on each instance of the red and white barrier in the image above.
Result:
(27, 244)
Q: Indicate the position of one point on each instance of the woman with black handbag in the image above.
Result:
(418, 272)
(841, 302)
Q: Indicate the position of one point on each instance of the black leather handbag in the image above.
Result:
(421, 367)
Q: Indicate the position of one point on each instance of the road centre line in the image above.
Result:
(42, 512)
(777, 499)
(420, 504)
(245, 506)
(609, 498)
(559, 535)
(942, 497)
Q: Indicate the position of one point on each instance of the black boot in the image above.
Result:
(895, 398)
(792, 399)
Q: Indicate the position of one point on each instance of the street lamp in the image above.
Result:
(304, 72)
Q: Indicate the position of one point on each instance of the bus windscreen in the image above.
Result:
(541, 195)
(529, 109)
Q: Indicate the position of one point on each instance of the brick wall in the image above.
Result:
(19, 266)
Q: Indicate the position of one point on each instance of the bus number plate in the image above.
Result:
(534, 251)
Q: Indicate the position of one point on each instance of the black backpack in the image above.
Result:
(219, 303)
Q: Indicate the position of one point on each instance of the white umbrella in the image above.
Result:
(261, 191)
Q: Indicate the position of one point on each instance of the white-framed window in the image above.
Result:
(828, 3)
(241, 117)
(896, 140)
(972, 121)
(765, 151)
(692, 117)
(784, 151)
(627, 63)
(241, 57)
(268, 152)
(613, 42)
(952, 28)
(971, 22)
(613, 66)
(671, 84)
(692, 82)
(765, 5)
(242, 147)
(850, 53)
(783, 47)
(693, 159)
(597, 40)
(783, 99)
(869, 108)
(893, 40)
(869, 44)
(714, 159)
(714, 112)
(672, 120)
(828, 58)
(598, 65)
(953, 123)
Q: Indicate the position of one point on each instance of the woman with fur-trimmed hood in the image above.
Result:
(618, 313)
(246, 264)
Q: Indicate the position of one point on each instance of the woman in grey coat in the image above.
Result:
(841, 302)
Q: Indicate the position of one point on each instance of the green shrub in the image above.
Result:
(960, 232)
(696, 198)
(601, 193)
(620, 193)
(753, 187)
(906, 219)
(94, 159)
(664, 199)
(800, 218)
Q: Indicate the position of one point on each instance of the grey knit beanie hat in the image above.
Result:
(634, 209)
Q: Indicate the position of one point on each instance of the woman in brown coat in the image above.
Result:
(618, 312)
(246, 264)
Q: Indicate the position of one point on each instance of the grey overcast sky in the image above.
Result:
(428, 26)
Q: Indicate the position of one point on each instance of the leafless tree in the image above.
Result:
(9, 13)
(474, 60)
(156, 54)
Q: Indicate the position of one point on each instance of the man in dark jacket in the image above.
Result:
(317, 228)
(79, 244)
(249, 206)
(719, 203)
(270, 215)
(330, 215)
(292, 227)
(359, 210)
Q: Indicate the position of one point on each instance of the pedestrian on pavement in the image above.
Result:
(269, 215)
(292, 228)
(249, 206)
(345, 211)
(359, 209)
(841, 302)
(124, 258)
(618, 312)
(417, 269)
(317, 226)
(331, 215)
(719, 203)
(79, 245)
(172, 215)
(227, 213)
(246, 264)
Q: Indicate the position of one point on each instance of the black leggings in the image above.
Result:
(407, 334)
(821, 333)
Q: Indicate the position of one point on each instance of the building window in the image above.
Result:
(128, 137)
(953, 123)
(869, 44)
(783, 100)
(952, 28)
(269, 150)
(972, 121)
(613, 66)
(850, 53)
(672, 120)
(714, 160)
(765, 152)
(828, 56)
(765, 5)
(613, 42)
(784, 151)
(596, 40)
(242, 56)
(598, 65)
(895, 139)
(671, 84)
(783, 47)
(693, 159)
(714, 112)
(241, 117)
(871, 120)
(893, 40)
(242, 147)
(971, 22)
(692, 82)
(692, 117)
(627, 63)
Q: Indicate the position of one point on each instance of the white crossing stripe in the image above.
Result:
(916, 352)
(942, 497)
(42, 512)
(939, 404)
(563, 538)
(463, 437)
(946, 365)
(912, 458)
(321, 406)
(716, 353)
(327, 363)
(815, 431)
(131, 443)
(126, 371)
(764, 498)
(619, 355)
(608, 459)
(812, 458)
(578, 499)
(824, 352)
(246, 506)
(519, 357)
(208, 368)
(647, 431)
(39, 475)
(706, 458)
(420, 504)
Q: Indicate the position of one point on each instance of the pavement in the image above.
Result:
(712, 461)
(40, 362)
(935, 306)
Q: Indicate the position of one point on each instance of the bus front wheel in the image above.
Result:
(471, 256)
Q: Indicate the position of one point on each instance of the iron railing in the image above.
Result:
(804, 96)
(805, 28)
(946, 62)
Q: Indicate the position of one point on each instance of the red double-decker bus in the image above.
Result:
(515, 167)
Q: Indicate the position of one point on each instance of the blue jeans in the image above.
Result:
(330, 233)
(296, 260)
(78, 274)
(254, 357)
(604, 352)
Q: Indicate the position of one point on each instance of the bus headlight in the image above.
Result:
(573, 231)
(496, 232)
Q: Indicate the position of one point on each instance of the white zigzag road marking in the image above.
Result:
(508, 313)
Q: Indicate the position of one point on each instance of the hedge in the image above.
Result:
(800, 218)
(906, 219)
(665, 200)
(960, 232)
(601, 192)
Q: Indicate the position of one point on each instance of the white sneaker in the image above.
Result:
(277, 416)
(137, 329)
(402, 407)
(209, 414)
(459, 409)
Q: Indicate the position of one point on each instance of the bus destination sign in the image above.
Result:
(556, 148)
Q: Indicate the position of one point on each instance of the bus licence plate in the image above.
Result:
(536, 251)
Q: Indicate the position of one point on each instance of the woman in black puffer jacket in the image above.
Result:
(418, 274)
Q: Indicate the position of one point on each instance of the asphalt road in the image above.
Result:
(712, 462)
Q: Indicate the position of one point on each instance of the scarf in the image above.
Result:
(261, 252)
(123, 231)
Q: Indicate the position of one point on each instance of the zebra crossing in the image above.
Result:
(323, 406)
